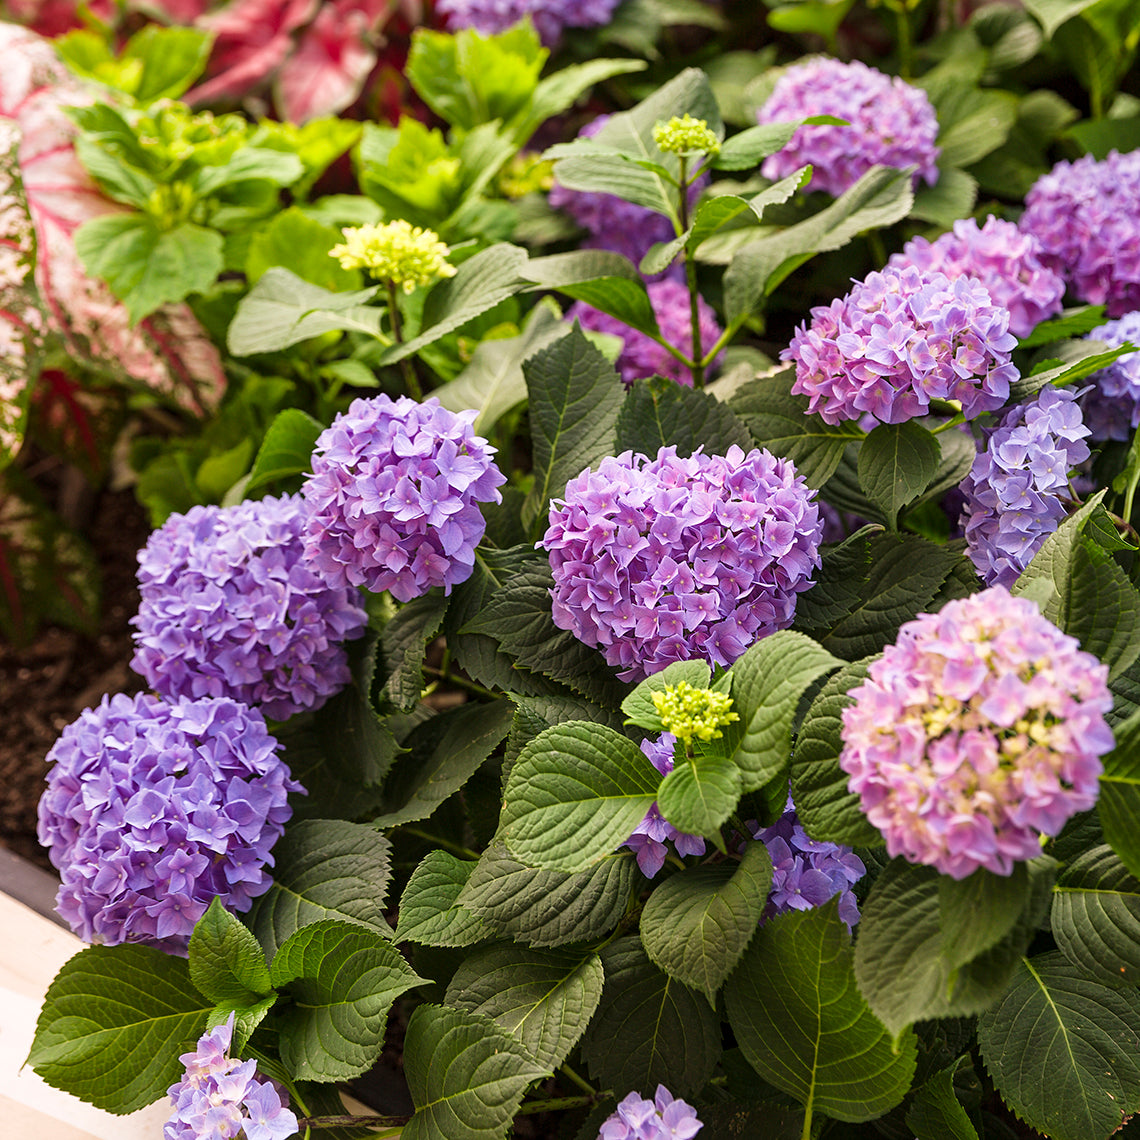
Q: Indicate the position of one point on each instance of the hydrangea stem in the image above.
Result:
(410, 378)
(697, 364)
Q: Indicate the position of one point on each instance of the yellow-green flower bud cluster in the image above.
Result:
(397, 251)
(689, 713)
(526, 173)
(685, 135)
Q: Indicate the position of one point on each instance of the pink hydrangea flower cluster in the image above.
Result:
(891, 124)
(670, 559)
(979, 730)
(1003, 258)
(898, 340)
(642, 357)
(1085, 216)
(663, 1118)
(230, 608)
(654, 831)
(393, 499)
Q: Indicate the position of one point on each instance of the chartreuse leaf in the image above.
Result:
(429, 913)
(324, 869)
(1087, 361)
(466, 1074)
(659, 413)
(559, 91)
(896, 462)
(750, 147)
(1064, 1050)
(114, 1020)
(650, 1029)
(575, 793)
(1073, 322)
(819, 786)
(1119, 802)
(696, 924)
(1096, 916)
(548, 908)
(936, 1113)
(302, 244)
(607, 281)
(805, 1028)
(639, 707)
(342, 979)
(544, 998)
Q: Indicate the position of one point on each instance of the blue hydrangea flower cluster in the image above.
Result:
(393, 499)
(1111, 406)
(671, 559)
(154, 809)
(654, 831)
(1003, 258)
(891, 124)
(898, 340)
(643, 357)
(1013, 497)
(230, 608)
(220, 1096)
(614, 224)
(807, 872)
(663, 1118)
(978, 731)
(550, 17)
(1085, 216)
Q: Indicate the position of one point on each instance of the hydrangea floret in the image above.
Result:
(901, 338)
(1111, 407)
(406, 255)
(671, 559)
(1015, 494)
(663, 1118)
(978, 731)
(393, 499)
(891, 124)
(153, 809)
(230, 608)
(654, 831)
(690, 713)
(1085, 216)
(641, 356)
(220, 1096)
(550, 17)
(1006, 260)
(685, 135)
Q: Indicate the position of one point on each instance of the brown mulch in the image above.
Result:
(46, 685)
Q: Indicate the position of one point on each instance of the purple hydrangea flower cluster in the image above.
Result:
(230, 608)
(1005, 260)
(1085, 216)
(1013, 495)
(651, 834)
(220, 1096)
(980, 729)
(393, 500)
(891, 124)
(643, 357)
(614, 224)
(663, 1118)
(898, 340)
(1111, 406)
(807, 872)
(671, 559)
(550, 17)
(154, 809)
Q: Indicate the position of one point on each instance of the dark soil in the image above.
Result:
(46, 685)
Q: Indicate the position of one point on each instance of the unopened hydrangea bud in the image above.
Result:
(689, 713)
(397, 251)
(685, 135)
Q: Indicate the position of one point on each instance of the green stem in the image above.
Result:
(410, 378)
(906, 64)
(439, 841)
(878, 250)
(349, 1121)
(806, 1134)
(697, 366)
(461, 682)
(558, 1104)
(575, 1079)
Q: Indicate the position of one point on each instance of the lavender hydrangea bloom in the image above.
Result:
(900, 339)
(1005, 260)
(230, 608)
(209, 1100)
(1111, 406)
(1012, 497)
(153, 809)
(643, 357)
(670, 559)
(1085, 216)
(651, 834)
(891, 124)
(980, 729)
(807, 872)
(550, 17)
(663, 1118)
(393, 500)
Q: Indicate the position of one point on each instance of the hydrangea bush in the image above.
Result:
(621, 781)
